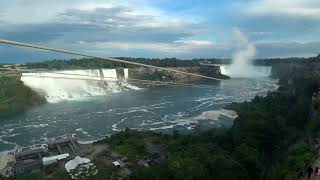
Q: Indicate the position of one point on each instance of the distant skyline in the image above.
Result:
(160, 28)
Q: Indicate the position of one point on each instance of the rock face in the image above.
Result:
(161, 75)
(282, 70)
(292, 70)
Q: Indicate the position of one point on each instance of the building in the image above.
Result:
(67, 140)
(54, 159)
(32, 152)
(72, 164)
(36, 156)
(118, 163)
(25, 166)
(79, 167)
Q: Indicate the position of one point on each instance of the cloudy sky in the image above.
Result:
(160, 28)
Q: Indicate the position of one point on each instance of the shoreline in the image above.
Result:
(205, 116)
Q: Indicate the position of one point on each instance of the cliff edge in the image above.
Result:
(161, 75)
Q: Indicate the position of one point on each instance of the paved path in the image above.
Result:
(313, 177)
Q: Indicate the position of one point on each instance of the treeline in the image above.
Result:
(166, 62)
(287, 69)
(292, 60)
(90, 63)
(266, 62)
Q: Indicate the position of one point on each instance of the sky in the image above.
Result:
(183, 29)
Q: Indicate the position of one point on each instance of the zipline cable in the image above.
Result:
(33, 46)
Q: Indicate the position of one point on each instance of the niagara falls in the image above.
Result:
(160, 90)
(242, 60)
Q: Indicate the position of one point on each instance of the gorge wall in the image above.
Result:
(294, 70)
(161, 75)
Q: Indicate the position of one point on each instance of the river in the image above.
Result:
(158, 109)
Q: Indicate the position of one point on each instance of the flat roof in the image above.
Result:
(58, 157)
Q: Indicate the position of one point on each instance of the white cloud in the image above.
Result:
(262, 33)
(286, 43)
(39, 11)
(137, 27)
(180, 46)
(305, 8)
(195, 42)
(291, 48)
(35, 11)
(119, 23)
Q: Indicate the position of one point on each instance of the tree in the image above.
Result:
(223, 167)
(249, 158)
(187, 168)
(298, 160)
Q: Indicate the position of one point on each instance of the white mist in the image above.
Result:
(241, 66)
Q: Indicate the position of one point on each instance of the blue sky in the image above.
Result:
(160, 28)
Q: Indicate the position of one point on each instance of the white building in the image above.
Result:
(54, 159)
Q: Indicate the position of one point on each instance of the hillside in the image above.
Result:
(15, 96)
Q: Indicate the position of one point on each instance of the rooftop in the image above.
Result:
(31, 149)
(66, 137)
(118, 163)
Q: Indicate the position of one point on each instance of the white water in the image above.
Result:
(241, 66)
(58, 86)
(252, 71)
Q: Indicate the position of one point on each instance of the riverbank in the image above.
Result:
(15, 96)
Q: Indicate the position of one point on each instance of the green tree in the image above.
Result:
(223, 167)
(250, 159)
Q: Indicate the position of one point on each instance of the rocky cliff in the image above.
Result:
(292, 70)
(161, 75)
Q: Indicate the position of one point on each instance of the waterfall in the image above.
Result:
(242, 61)
(255, 71)
(58, 86)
